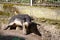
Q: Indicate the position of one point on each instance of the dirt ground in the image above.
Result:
(10, 34)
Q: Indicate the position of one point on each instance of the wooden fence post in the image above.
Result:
(30, 2)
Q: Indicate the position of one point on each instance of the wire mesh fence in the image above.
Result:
(34, 2)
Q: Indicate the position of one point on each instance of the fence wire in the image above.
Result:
(34, 2)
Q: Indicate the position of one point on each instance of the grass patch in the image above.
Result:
(58, 27)
(7, 5)
(51, 7)
(3, 21)
(4, 13)
(49, 21)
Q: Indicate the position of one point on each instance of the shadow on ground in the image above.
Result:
(11, 38)
(33, 29)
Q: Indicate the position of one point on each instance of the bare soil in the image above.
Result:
(18, 33)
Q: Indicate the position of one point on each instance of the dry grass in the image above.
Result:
(4, 14)
(48, 21)
(7, 5)
(27, 10)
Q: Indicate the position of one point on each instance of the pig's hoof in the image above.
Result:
(17, 28)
